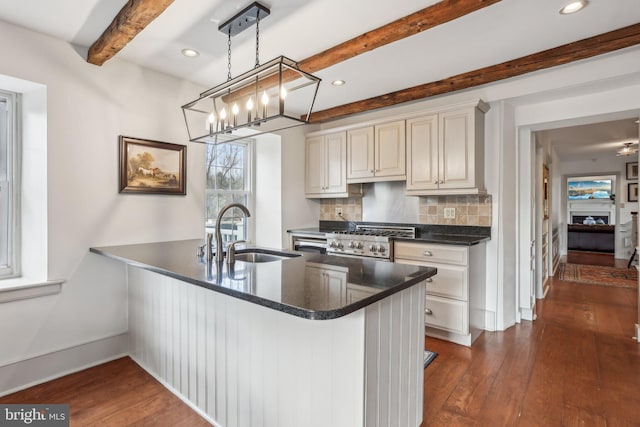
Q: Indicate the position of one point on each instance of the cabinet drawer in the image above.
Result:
(430, 253)
(447, 314)
(450, 281)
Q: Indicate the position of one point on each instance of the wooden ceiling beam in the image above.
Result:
(422, 20)
(565, 54)
(132, 18)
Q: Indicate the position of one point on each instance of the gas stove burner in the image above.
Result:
(367, 241)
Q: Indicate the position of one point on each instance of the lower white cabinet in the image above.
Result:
(455, 296)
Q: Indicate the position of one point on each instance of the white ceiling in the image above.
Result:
(592, 141)
(301, 28)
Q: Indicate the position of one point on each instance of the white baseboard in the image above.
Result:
(35, 370)
(527, 314)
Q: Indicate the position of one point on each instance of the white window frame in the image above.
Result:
(11, 187)
(249, 191)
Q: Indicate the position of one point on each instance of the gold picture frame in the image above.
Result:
(152, 167)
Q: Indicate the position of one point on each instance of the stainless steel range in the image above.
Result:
(367, 241)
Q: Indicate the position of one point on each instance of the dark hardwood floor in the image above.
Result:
(576, 365)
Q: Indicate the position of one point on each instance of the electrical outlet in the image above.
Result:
(449, 213)
(339, 211)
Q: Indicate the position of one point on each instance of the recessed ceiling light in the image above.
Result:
(338, 82)
(190, 53)
(573, 7)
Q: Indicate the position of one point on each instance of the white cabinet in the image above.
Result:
(455, 298)
(326, 166)
(445, 151)
(377, 153)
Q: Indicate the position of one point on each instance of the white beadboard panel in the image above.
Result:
(394, 352)
(247, 365)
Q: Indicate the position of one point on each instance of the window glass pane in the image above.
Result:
(228, 181)
(6, 197)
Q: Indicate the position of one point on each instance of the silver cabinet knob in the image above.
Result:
(429, 280)
(427, 253)
(428, 312)
(441, 181)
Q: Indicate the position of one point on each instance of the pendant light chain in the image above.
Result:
(257, 40)
(229, 56)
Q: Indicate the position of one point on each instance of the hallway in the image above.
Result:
(577, 364)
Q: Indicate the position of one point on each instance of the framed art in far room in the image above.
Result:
(632, 192)
(152, 167)
(632, 170)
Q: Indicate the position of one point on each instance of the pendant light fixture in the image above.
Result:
(272, 96)
(627, 150)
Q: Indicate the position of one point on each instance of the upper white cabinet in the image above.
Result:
(445, 151)
(326, 170)
(376, 153)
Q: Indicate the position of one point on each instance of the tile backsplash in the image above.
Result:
(351, 209)
(469, 210)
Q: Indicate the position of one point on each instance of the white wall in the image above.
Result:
(268, 184)
(87, 108)
(297, 211)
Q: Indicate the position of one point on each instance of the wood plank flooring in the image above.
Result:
(576, 365)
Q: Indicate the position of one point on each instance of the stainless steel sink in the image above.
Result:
(261, 255)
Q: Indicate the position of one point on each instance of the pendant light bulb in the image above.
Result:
(223, 114)
(210, 121)
(250, 104)
(235, 109)
(265, 98)
(283, 92)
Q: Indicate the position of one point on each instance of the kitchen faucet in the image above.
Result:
(219, 251)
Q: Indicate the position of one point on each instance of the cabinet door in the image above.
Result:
(315, 165)
(335, 181)
(389, 152)
(422, 153)
(360, 157)
(456, 149)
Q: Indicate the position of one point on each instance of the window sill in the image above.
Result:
(24, 288)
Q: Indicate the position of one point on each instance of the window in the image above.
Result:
(8, 187)
(229, 173)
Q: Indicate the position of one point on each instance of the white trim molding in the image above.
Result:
(17, 290)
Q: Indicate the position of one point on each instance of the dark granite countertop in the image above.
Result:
(448, 239)
(441, 234)
(294, 285)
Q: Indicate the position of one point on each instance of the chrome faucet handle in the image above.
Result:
(200, 251)
(209, 246)
(231, 250)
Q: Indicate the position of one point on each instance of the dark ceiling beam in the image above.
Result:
(565, 54)
(132, 18)
(417, 22)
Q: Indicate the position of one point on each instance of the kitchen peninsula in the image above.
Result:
(308, 339)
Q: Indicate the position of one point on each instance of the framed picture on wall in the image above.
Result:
(632, 192)
(152, 167)
(632, 170)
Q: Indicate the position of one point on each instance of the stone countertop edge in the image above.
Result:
(410, 280)
(443, 239)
